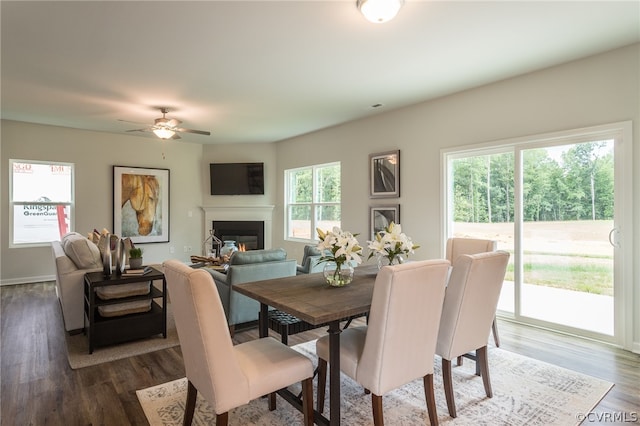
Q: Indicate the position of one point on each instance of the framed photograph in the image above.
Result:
(384, 174)
(141, 204)
(381, 216)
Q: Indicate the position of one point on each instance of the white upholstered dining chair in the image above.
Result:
(397, 346)
(469, 308)
(227, 376)
(457, 246)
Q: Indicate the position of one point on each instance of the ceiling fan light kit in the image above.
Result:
(379, 11)
(164, 133)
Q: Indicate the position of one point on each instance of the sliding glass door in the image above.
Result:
(567, 215)
(555, 203)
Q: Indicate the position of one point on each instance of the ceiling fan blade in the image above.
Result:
(138, 130)
(176, 136)
(134, 122)
(198, 132)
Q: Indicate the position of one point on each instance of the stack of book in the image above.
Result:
(136, 272)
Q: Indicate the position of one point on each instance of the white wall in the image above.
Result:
(597, 90)
(94, 154)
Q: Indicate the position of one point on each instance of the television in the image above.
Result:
(236, 178)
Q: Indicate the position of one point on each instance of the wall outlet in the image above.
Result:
(172, 249)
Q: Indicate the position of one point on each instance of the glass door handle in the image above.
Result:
(612, 241)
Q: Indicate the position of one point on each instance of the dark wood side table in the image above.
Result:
(102, 331)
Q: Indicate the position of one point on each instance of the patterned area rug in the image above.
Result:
(525, 392)
(78, 347)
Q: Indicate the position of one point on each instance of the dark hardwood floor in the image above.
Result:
(39, 388)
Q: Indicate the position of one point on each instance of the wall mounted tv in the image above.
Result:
(237, 178)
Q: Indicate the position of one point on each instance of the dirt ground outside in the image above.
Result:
(574, 255)
(580, 238)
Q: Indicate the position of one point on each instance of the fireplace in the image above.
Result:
(229, 214)
(249, 233)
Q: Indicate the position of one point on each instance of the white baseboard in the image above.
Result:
(28, 280)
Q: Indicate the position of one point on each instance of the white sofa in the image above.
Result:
(74, 256)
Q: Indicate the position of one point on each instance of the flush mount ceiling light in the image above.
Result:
(379, 11)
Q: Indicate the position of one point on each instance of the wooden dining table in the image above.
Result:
(311, 299)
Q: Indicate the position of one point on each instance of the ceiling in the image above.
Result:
(263, 71)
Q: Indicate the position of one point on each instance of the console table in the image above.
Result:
(102, 331)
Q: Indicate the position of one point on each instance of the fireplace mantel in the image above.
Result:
(263, 213)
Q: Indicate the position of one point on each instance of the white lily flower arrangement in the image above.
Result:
(343, 247)
(391, 243)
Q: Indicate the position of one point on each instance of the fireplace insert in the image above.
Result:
(246, 233)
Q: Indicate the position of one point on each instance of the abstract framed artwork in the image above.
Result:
(381, 216)
(141, 204)
(384, 174)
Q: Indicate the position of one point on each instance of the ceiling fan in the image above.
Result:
(167, 128)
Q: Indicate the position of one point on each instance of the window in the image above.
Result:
(312, 197)
(41, 198)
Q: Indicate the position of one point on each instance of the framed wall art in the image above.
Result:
(381, 216)
(141, 204)
(384, 174)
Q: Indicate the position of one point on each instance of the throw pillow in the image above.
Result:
(82, 252)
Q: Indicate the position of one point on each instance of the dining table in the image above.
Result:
(309, 298)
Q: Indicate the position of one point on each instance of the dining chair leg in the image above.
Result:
(448, 386)
(307, 401)
(494, 330)
(376, 405)
(322, 384)
(459, 360)
(431, 399)
(222, 419)
(483, 361)
(272, 401)
(190, 405)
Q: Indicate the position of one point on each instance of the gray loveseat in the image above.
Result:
(253, 265)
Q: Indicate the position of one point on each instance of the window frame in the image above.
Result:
(70, 204)
(314, 204)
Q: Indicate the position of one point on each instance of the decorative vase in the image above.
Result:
(119, 256)
(337, 275)
(228, 248)
(106, 256)
(384, 260)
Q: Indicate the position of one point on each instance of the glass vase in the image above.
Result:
(228, 248)
(385, 261)
(337, 275)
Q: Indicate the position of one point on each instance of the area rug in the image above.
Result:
(78, 347)
(525, 392)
